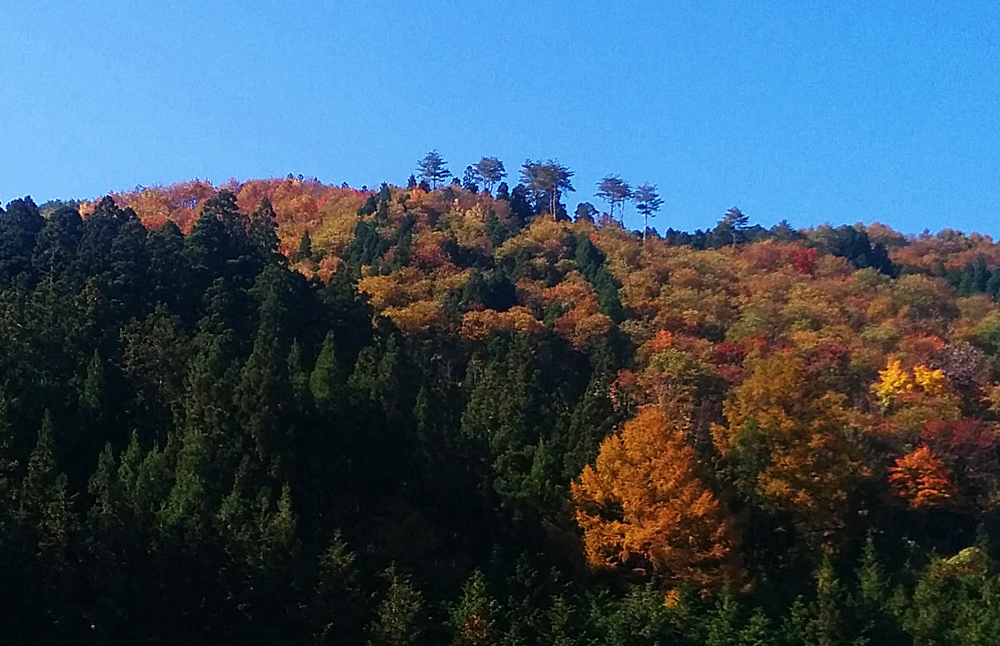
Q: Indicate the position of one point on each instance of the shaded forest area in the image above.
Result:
(288, 413)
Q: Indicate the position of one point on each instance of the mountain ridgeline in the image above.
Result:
(282, 412)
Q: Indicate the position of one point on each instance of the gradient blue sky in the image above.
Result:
(812, 112)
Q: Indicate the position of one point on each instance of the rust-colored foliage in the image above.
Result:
(728, 359)
(922, 480)
(969, 448)
(644, 504)
(805, 261)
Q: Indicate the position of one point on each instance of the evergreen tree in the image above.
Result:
(92, 392)
(19, 228)
(731, 228)
(585, 212)
(326, 378)
(399, 618)
(590, 260)
(305, 250)
(298, 377)
(615, 191)
(433, 168)
(593, 419)
(262, 394)
(55, 250)
(473, 618)
(647, 203)
(366, 248)
(490, 171)
(336, 606)
(44, 505)
(723, 626)
(169, 272)
(262, 230)
(496, 229)
(546, 182)
(46, 524)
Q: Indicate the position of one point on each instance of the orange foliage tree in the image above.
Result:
(644, 505)
(922, 480)
(480, 324)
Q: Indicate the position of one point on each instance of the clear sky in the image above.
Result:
(812, 112)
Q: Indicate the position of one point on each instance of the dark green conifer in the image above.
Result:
(326, 378)
(473, 619)
(305, 250)
(262, 230)
(44, 502)
(19, 228)
(400, 616)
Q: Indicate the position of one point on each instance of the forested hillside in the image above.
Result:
(282, 412)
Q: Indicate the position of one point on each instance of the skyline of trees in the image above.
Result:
(544, 183)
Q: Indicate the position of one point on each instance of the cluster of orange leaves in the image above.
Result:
(644, 505)
(922, 480)
(479, 324)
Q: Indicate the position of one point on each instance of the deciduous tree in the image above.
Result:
(644, 505)
(922, 480)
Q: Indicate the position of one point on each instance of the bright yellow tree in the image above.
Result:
(892, 383)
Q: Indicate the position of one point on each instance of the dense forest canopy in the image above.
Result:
(283, 412)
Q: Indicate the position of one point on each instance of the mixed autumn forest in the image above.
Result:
(284, 412)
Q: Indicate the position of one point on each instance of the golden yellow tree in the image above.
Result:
(932, 381)
(893, 382)
(912, 397)
(644, 505)
(812, 465)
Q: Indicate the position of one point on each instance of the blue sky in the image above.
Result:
(811, 112)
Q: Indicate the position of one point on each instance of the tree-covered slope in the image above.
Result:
(284, 412)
